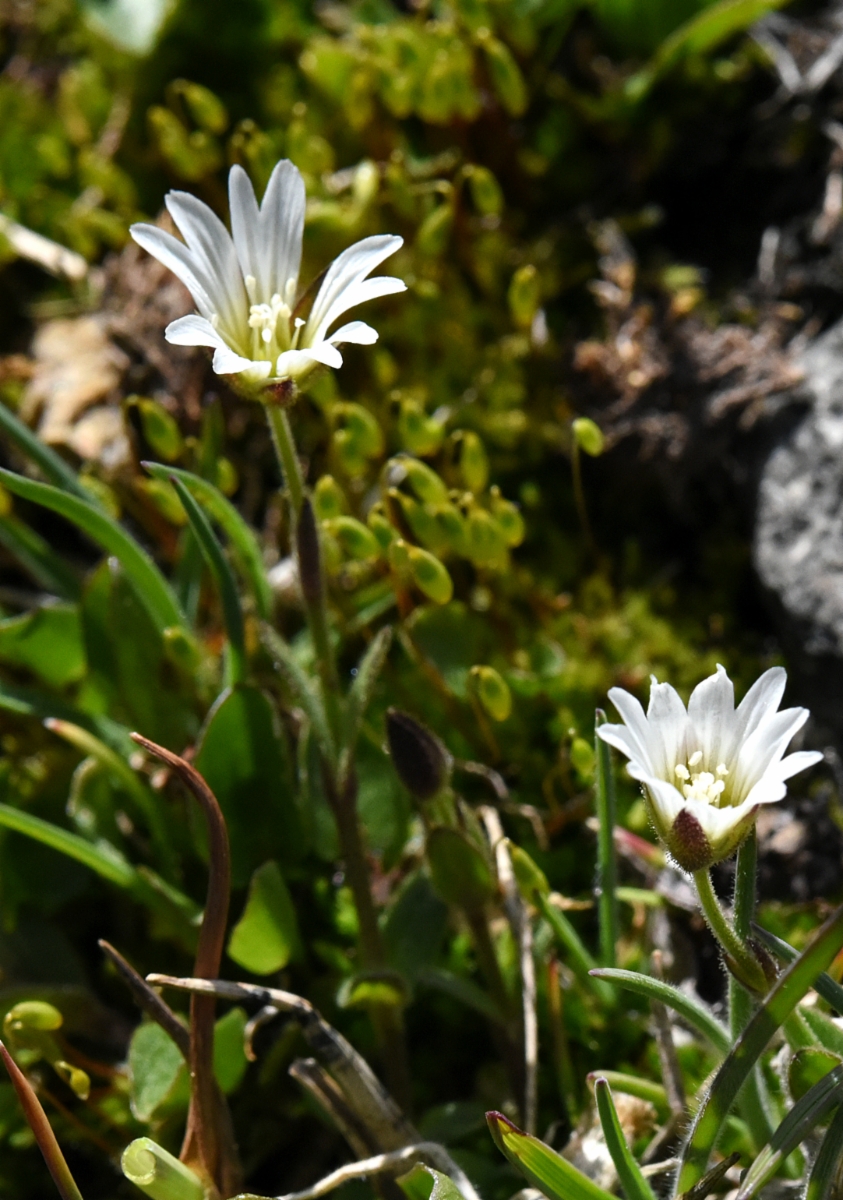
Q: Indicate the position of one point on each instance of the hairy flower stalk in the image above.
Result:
(245, 284)
(707, 769)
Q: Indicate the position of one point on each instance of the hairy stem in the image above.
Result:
(285, 448)
(734, 947)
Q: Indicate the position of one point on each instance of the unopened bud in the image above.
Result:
(421, 761)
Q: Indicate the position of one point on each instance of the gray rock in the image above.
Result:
(798, 549)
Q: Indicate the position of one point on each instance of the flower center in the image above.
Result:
(270, 323)
(701, 785)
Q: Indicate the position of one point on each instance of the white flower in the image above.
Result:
(245, 283)
(706, 770)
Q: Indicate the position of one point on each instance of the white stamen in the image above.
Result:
(695, 758)
(722, 769)
(251, 286)
(681, 771)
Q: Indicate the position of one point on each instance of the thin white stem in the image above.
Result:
(379, 1163)
(522, 929)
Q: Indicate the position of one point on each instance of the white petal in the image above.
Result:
(623, 739)
(344, 274)
(771, 786)
(761, 701)
(667, 723)
(636, 723)
(211, 246)
(177, 258)
(711, 710)
(192, 330)
(355, 331)
(665, 803)
(764, 748)
(800, 761)
(226, 362)
(718, 822)
(293, 364)
(325, 353)
(268, 239)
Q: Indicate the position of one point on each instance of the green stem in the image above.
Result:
(734, 946)
(288, 459)
(607, 869)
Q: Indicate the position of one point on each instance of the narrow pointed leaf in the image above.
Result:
(825, 986)
(131, 782)
(779, 1004)
(542, 1167)
(51, 465)
(634, 1184)
(827, 1172)
(246, 547)
(695, 1014)
(40, 1126)
(360, 694)
(302, 688)
(27, 702)
(582, 963)
(150, 585)
(39, 559)
(802, 1118)
(607, 872)
(223, 577)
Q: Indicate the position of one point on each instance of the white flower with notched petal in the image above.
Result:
(706, 770)
(245, 283)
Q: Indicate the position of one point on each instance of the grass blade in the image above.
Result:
(542, 1167)
(825, 986)
(582, 963)
(779, 1004)
(826, 1176)
(245, 546)
(796, 1126)
(634, 1184)
(40, 1126)
(28, 702)
(697, 1017)
(360, 694)
(607, 868)
(150, 585)
(301, 687)
(51, 465)
(223, 577)
(39, 559)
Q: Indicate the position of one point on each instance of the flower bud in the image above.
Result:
(421, 761)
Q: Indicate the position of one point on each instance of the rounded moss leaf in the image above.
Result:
(589, 436)
(160, 430)
(419, 433)
(492, 692)
(353, 537)
(582, 758)
(266, 937)
(430, 575)
(424, 481)
(509, 519)
(435, 231)
(474, 462)
(524, 295)
(485, 540)
(486, 193)
(33, 1015)
(328, 498)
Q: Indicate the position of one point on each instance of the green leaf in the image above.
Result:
(698, 36)
(825, 986)
(51, 465)
(304, 690)
(223, 578)
(805, 1115)
(542, 1167)
(607, 869)
(245, 546)
(697, 1017)
(243, 757)
(26, 702)
(155, 1065)
(47, 641)
(424, 1183)
(360, 694)
(464, 990)
(634, 1184)
(230, 1060)
(151, 587)
(459, 870)
(808, 1067)
(777, 1007)
(38, 558)
(267, 936)
(827, 1172)
(105, 859)
(581, 961)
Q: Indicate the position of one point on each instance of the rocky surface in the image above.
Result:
(798, 548)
